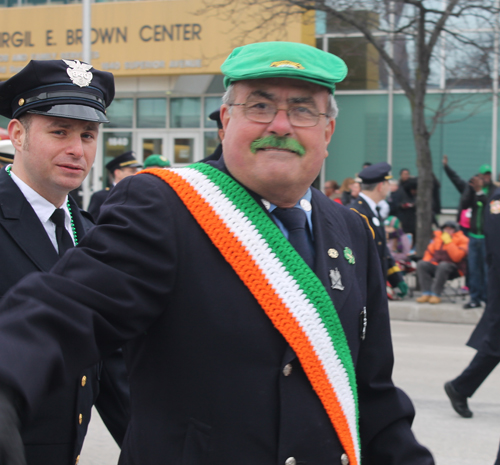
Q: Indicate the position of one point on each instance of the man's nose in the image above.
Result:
(281, 125)
(75, 147)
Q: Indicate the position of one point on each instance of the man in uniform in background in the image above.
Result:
(375, 188)
(119, 168)
(486, 335)
(252, 307)
(54, 129)
(5, 159)
(216, 154)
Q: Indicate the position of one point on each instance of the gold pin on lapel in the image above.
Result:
(332, 253)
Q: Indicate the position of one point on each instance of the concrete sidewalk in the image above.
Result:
(445, 312)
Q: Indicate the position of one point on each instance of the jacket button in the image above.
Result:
(290, 461)
(287, 370)
(84, 380)
(344, 460)
(77, 460)
(80, 418)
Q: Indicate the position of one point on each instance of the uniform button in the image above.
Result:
(80, 418)
(290, 461)
(77, 460)
(287, 371)
(344, 460)
(84, 380)
(379, 243)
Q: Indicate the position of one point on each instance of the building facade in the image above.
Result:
(166, 55)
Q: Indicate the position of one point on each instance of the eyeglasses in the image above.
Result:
(303, 115)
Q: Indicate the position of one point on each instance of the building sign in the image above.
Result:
(165, 37)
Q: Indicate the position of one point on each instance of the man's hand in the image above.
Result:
(403, 288)
(445, 160)
(476, 183)
(11, 445)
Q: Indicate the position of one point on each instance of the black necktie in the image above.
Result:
(63, 238)
(294, 220)
(378, 214)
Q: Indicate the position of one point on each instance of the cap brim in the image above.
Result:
(81, 112)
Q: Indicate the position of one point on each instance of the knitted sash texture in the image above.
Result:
(286, 288)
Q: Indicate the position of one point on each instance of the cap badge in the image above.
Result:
(79, 72)
(286, 64)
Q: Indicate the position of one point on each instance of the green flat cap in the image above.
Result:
(483, 169)
(284, 59)
(156, 160)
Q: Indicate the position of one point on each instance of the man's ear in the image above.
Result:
(17, 134)
(224, 116)
(329, 130)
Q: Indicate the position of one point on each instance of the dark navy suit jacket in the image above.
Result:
(205, 362)
(53, 433)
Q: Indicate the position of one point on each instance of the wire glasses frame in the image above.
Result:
(299, 115)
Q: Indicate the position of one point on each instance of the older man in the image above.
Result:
(243, 347)
(54, 127)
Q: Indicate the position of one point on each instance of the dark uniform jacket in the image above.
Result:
(97, 199)
(478, 202)
(389, 268)
(205, 362)
(486, 335)
(55, 430)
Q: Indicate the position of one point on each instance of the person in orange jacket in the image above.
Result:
(444, 257)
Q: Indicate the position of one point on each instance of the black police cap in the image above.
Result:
(124, 160)
(6, 158)
(61, 88)
(375, 173)
(215, 116)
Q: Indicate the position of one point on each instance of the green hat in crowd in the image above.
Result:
(156, 160)
(483, 169)
(284, 60)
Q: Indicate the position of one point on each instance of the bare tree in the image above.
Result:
(391, 28)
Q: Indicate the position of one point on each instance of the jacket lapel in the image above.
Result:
(21, 223)
(331, 238)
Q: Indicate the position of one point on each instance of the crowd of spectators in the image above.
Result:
(456, 249)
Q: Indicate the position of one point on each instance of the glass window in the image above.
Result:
(366, 69)
(360, 135)
(211, 143)
(185, 112)
(120, 113)
(115, 143)
(152, 146)
(183, 150)
(404, 55)
(371, 16)
(211, 104)
(469, 60)
(151, 113)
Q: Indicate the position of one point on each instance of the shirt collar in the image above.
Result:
(42, 207)
(304, 204)
(371, 203)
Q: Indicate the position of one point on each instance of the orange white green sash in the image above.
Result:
(287, 289)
